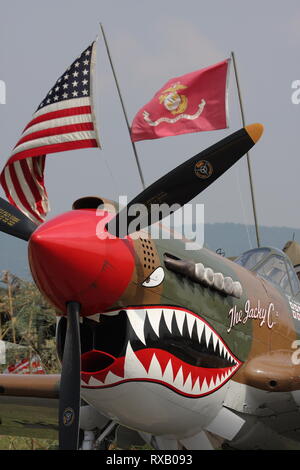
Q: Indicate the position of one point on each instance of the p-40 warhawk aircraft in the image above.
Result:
(185, 349)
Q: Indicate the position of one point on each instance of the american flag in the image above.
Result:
(26, 366)
(63, 121)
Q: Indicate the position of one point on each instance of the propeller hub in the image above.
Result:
(71, 258)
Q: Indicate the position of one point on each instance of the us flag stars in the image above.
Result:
(63, 121)
(75, 83)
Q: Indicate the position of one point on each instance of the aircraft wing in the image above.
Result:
(29, 405)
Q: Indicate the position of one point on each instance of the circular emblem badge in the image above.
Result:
(203, 169)
(172, 101)
(68, 416)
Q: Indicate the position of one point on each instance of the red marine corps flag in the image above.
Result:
(63, 121)
(192, 103)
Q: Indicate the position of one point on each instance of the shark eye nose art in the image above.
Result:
(155, 279)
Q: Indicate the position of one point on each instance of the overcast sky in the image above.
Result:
(150, 43)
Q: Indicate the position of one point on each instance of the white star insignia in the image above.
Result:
(65, 85)
(88, 52)
(75, 93)
(75, 83)
(85, 72)
(86, 62)
(57, 88)
(77, 64)
(75, 74)
(65, 95)
(55, 98)
(66, 76)
(85, 92)
(85, 82)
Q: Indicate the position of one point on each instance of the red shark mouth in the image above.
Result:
(165, 345)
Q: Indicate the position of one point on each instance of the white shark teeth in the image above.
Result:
(155, 368)
(178, 382)
(215, 340)
(94, 382)
(111, 378)
(221, 348)
(180, 321)
(212, 383)
(200, 326)
(188, 384)
(133, 367)
(137, 320)
(154, 319)
(218, 380)
(207, 335)
(190, 322)
(156, 315)
(198, 330)
(168, 375)
(168, 315)
(204, 386)
(196, 387)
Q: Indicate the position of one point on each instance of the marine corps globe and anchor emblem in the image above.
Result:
(176, 103)
(173, 101)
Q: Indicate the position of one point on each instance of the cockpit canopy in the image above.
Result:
(274, 266)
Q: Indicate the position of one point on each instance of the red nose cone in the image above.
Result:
(69, 262)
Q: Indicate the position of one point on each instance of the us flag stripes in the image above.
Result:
(64, 120)
(26, 366)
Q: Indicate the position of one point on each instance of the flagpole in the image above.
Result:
(247, 154)
(123, 107)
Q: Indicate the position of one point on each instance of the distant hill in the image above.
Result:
(232, 238)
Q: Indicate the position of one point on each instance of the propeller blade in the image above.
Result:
(14, 222)
(69, 402)
(188, 180)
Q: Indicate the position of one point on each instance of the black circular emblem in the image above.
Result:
(203, 169)
(68, 416)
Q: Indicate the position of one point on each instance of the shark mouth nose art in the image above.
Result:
(170, 346)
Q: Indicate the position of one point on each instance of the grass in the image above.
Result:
(26, 443)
